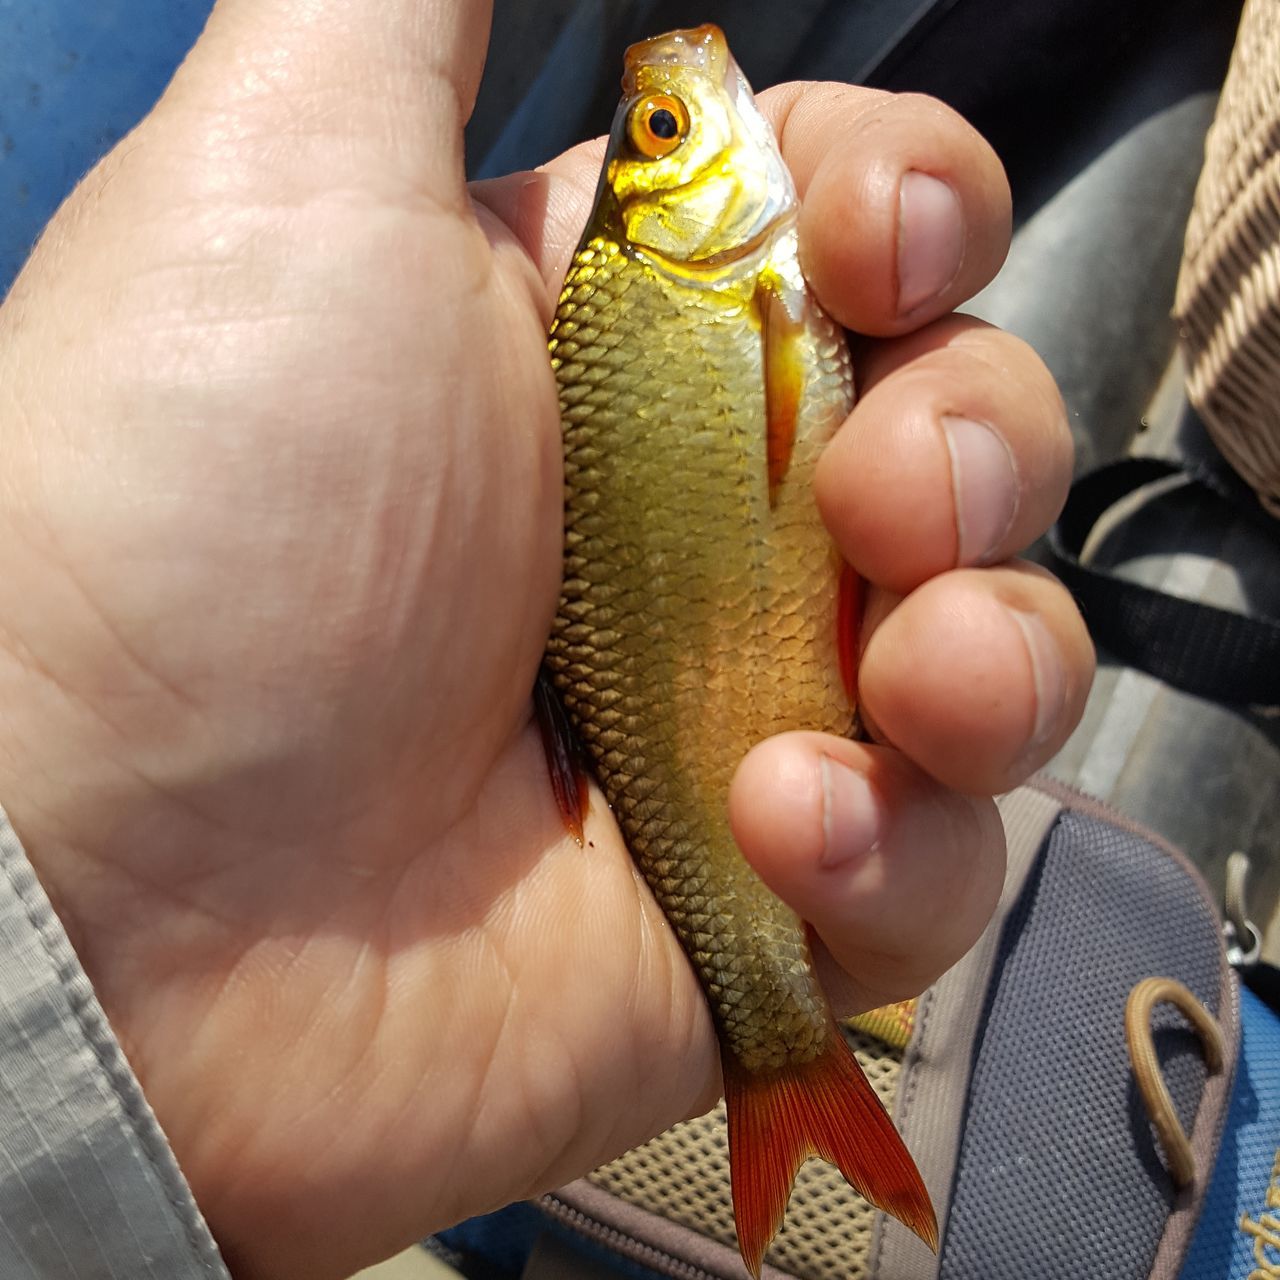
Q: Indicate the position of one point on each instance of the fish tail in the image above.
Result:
(828, 1108)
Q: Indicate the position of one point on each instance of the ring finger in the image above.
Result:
(958, 453)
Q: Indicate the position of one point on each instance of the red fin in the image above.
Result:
(565, 762)
(827, 1108)
(848, 624)
(782, 324)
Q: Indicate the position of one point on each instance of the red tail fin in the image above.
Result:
(828, 1108)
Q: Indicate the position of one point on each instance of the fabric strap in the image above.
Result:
(1210, 652)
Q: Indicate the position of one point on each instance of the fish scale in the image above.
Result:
(695, 619)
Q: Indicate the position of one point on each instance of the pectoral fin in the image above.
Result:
(782, 313)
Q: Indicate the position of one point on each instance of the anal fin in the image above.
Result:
(827, 1108)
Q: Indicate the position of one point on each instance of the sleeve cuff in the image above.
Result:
(89, 1186)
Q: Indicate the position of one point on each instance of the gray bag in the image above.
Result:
(1034, 1112)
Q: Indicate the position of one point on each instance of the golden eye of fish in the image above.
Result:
(658, 125)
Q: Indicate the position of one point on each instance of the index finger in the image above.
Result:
(905, 209)
(874, 171)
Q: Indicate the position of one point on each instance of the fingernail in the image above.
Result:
(1049, 681)
(930, 239)
(984, 483)
(852, 817)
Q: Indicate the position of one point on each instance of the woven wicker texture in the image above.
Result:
(683, 1175)
(1228, 300)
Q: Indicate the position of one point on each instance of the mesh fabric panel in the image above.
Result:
(1059, 1173)
(683, 1175)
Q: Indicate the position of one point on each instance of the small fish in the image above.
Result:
(703, 606)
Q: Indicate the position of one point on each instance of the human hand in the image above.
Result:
(283, 517)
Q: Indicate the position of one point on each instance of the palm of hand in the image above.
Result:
(351, 452)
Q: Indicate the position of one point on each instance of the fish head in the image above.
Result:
(693, 173)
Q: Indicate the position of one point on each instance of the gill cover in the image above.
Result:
(693, 167)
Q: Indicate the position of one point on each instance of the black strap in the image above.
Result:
(1211, 652)
(1264, 981)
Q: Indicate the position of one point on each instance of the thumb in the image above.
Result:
(377, 90)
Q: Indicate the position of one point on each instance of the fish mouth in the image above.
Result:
(702, 48)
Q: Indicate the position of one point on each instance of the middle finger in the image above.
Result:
(957, 454)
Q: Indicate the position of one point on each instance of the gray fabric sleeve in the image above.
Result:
(88, 1184)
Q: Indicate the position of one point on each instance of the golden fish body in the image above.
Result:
(697, 618)
(699, 383)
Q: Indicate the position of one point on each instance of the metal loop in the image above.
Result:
(1244, 950)
(1243, 938)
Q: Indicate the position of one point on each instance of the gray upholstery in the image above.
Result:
(1055, 1135)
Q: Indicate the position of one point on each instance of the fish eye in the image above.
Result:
(662, 124)
(658, 125)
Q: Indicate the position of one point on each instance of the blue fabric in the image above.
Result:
(503, 1241)
(1223, 1249)
(75, 77)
